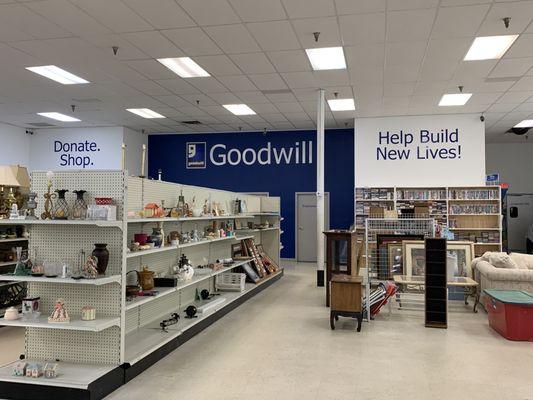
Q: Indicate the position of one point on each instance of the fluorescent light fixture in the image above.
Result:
(145, 113)
(239, 109)
(454, 99)
(489, 47)
(527, 123)
(59, 117)
(57, 74)
(326, 58)
(341, 104)
(184, 67)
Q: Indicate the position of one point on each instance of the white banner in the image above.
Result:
(77, 148)
(430, 150)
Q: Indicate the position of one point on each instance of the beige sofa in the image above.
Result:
(502, 271)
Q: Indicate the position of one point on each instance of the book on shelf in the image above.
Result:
(474, 194)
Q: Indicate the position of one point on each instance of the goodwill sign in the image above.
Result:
(437, 150)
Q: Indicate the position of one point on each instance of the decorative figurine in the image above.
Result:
(14, 213)
(79, 210)
(34, 370)
(19, 368)
(23, 267)
(184, 270)
(11, 314)
(61, 210)
(152, 210)
(48, 204)
(181, 205)
(90, 268)
(50, 370)
(59, 315)
(88, 313)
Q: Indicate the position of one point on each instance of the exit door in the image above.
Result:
(519, 218)
(306, 225)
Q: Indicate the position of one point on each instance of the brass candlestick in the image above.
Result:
(48, 202)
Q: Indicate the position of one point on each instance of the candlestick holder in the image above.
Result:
(48, 204)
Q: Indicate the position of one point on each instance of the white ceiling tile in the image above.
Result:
(154, 44)
(173, 100)
(193, 41)
(218, 65)
(265, 108)
(525, 83)
(327, 26)
(24, 19)
(161, 14)
(237, 83)
(527, 106)
(509, 67)
(290, 60)
(292, 107)
(436, 71)
(400, 73)
(445, 50)
(522, 47)
(208, 85)
(114, 14)
(281, 97)
(364, 55)
(199, 100)
(469, 71)
(13, 57)
(399, 89)
(395, 5)
(253, 63)
(400, 53)
(332, 78)
(519, 11)
(274, 117)
(502, 107)
(217, 12)
(491, 86)
(454, 3)
(258, 10)
(375, 75)
(459, 21)
(274, 35)
(300, 80)
(126, 50)
(484, 98)
(297, 117)
(178, 86)
(362, 28)
(359, 7)
(268, 81)
(409, 25)
(232, 39)
(309, 8)
(151, 69)
(432, 88)
(252, 96)
(69, 17)
(150, 88)
(515, 97)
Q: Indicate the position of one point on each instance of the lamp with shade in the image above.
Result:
(23, 178)
(7, 179)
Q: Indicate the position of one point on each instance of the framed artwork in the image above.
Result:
(460, 256)
(382, 253)
(236, 250)
(237, 223)
(395, 258)
(414, 258)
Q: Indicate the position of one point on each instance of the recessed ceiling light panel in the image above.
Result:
(341, 104)
(527, 123)
(454, 99)
(326, 58)
(57, 74)
(239, 109)
(185, 67)
(145, 113)
(489, 47)
(59, 117)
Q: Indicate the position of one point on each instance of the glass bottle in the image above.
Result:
(79, 210)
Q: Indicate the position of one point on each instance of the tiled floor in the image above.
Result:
(278, 345)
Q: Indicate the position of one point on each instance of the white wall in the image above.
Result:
(134, 141)
(14, 145)
(514, 162)
(76, 148)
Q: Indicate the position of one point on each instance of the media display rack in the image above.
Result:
(96, 357)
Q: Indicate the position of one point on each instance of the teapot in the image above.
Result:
(146, 278)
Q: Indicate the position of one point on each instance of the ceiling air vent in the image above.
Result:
(40, 124)
(193, 122)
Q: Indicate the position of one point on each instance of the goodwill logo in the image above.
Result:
(220, 154)
(421, 145)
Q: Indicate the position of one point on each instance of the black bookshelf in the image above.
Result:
(436, 314)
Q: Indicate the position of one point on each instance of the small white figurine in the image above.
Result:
(14, 214)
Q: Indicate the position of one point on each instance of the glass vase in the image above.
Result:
(79, 209)
(61, 209)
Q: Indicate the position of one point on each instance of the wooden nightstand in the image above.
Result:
(346, 299)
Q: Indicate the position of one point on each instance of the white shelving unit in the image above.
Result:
(461, 223)
(124, 333)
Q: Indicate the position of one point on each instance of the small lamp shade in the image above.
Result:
(22, 176)
(7, 177)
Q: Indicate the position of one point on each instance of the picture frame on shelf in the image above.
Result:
(414, 257)
(460, 256)
(382, 254)
(394, 251)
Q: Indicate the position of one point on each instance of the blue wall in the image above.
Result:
(169, 153)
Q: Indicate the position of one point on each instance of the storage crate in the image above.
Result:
(510, 313)
(230, 282)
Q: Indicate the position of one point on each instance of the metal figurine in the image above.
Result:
(47, 214)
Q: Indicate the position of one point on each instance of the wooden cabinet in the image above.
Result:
(346, 298)
(436, 312)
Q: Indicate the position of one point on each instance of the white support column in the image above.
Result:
(320, 188)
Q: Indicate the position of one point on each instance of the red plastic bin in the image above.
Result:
(510, 313)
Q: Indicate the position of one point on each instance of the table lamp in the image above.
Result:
(23, 178)
(7, 179)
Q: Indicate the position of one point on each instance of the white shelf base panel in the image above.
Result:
(76, 376)
(75, 324)
(104, 280)
(51, 222)
(142, 342)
